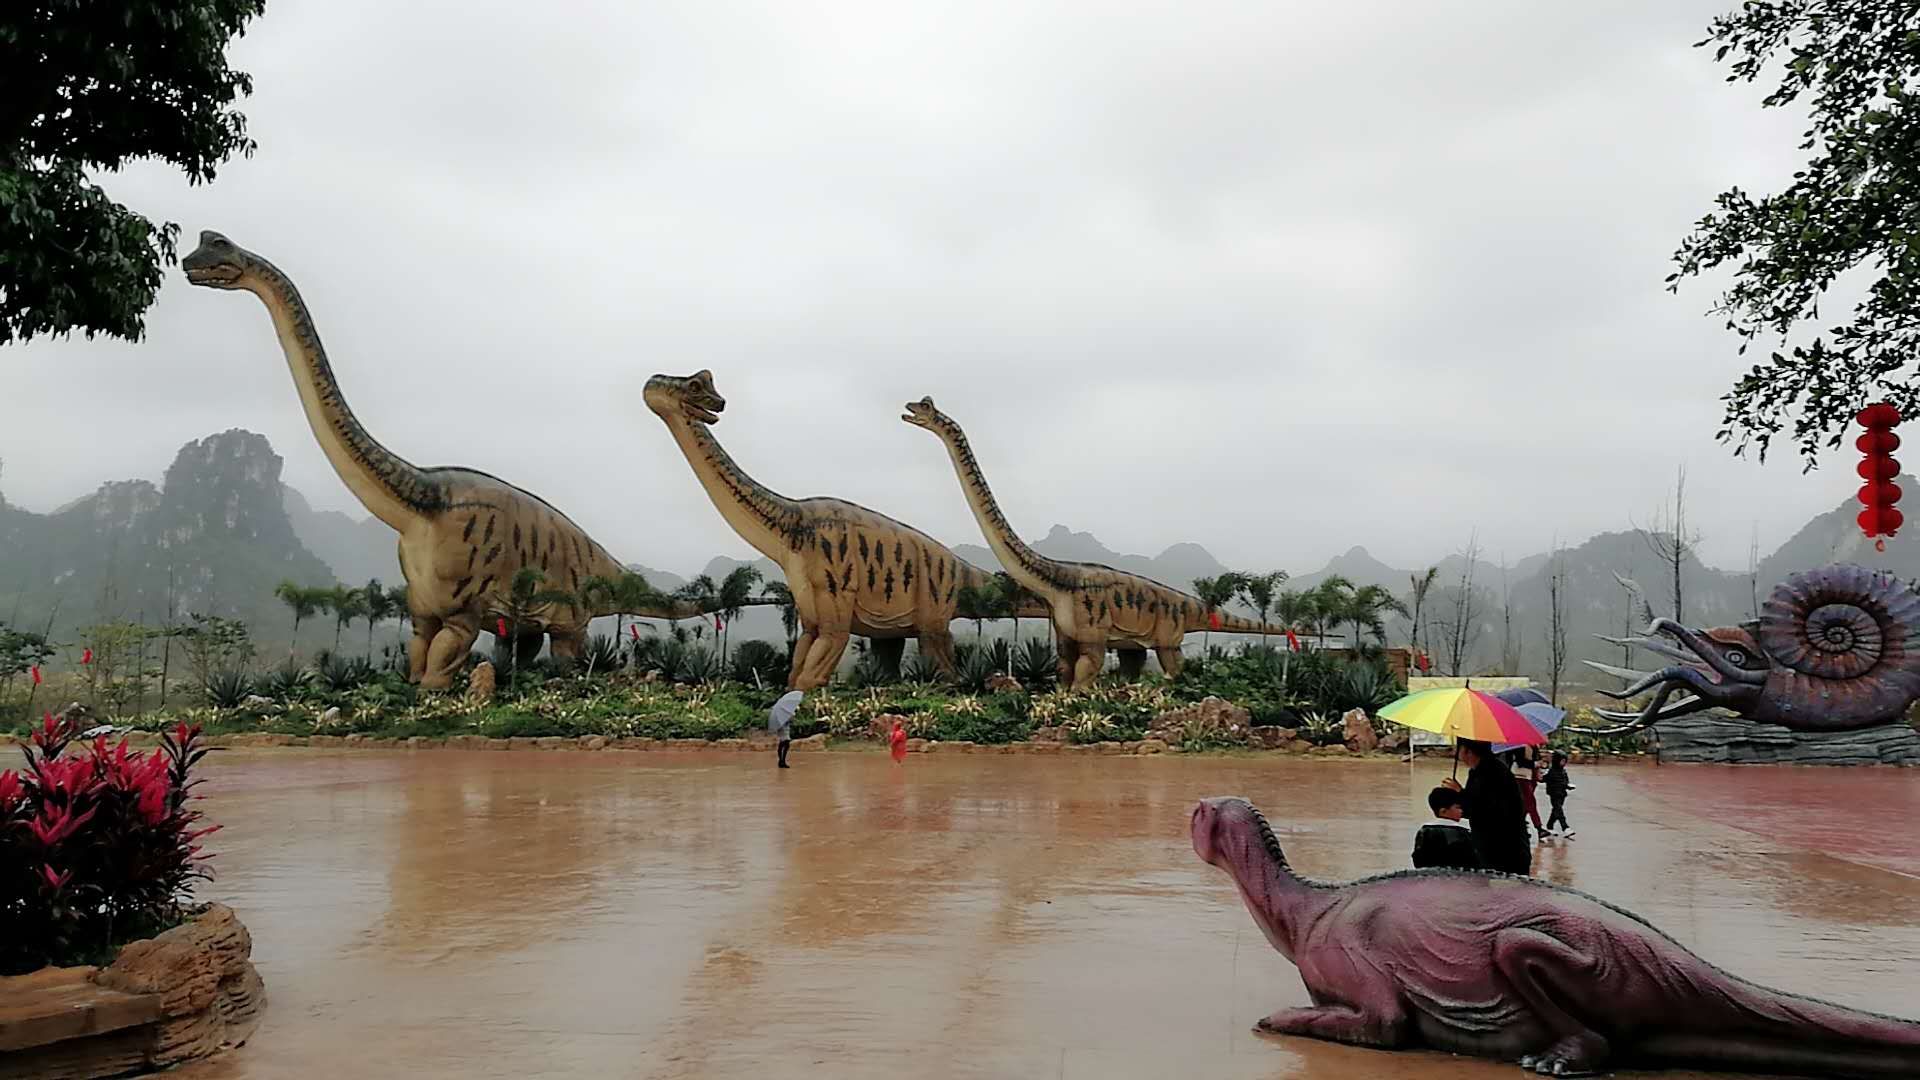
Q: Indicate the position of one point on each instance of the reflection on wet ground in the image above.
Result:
(513, 914)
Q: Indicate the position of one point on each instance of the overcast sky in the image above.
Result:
(1278, 278)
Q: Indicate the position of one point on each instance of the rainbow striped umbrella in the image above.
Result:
(1464, 714)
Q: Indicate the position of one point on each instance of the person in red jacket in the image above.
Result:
(898, 740)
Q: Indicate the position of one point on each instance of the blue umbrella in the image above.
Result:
(1538, 711)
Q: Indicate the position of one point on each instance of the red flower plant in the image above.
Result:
(55, 881)
(10, 789)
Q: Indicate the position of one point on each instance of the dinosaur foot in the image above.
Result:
(1575, 1055)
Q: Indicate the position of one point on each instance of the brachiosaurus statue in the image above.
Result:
(463, 534)
(1092, 606)
(851, 570)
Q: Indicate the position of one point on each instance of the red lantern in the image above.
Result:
(1878, 467)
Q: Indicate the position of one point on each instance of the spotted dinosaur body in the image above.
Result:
(1509, 967)
(1093, 607)
(463, 534)
(851, 570)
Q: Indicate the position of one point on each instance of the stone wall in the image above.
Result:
(1718, 738)
(185, 994)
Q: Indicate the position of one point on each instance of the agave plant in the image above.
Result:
(285, 682)
(338, 674)
(228, 688)
(758, 663)
(602, 653)
(1036, 664)
(919, 668)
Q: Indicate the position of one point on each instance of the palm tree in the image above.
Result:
(1016, 596)
(303, 602)
(627, 591)
(1365, 608)
(1325, 602)
(402, 614)
(524, 597)
(346, 605)
(736, 589)
(379, 608)
(1215, 593)
(1257, 590)
(782, 596)
(1422, 584)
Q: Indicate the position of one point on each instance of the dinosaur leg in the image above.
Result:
(1065, 650)
(887, 652)
(1545, 971)
(1170, 658)
(526, 648)
(937, 646)
(800, 649)
(1385, 1027)
(565, 648)
(424, 627)
(823, 658)
(1086, 666)
(1133, 662)
(448, 653)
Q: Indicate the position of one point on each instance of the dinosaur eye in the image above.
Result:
(1737, 657)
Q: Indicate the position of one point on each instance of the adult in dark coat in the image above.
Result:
(1494, 809)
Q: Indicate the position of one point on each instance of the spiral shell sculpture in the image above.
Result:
(1834, 649)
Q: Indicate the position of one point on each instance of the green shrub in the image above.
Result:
(1036, 664)
(759, 663)
(228, 688)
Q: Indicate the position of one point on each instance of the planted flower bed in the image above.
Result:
(105, 966)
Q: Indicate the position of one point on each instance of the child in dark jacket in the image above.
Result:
(1446, 841)
(1558, 784)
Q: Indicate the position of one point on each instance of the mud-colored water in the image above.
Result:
(658, 915)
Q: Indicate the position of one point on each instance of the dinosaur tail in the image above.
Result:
(1775, 1031)
(1234, 624)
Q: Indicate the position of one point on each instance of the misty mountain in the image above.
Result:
(216, 526)
(1176, 566)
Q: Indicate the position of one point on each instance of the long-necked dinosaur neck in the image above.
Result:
(1092, 605)
(464, 535)
(392, 488)
(852, 570)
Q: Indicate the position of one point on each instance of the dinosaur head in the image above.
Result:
(923, 414)
(1834, 649)
(219, 263)
(1230, 834)
(690, 397)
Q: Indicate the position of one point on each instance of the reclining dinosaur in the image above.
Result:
(1500, 966)
(463, 534)
(1092, 606)
(851, 570)
(1834, 649)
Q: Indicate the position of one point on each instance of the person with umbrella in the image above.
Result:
(1494, 809)
(780, 721)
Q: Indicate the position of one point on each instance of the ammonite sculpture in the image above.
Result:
(1834, 649)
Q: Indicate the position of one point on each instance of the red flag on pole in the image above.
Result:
(1293, 642)
(36, 674)
(1213, 619)
(86, 656)
(500, 628)
(719, 624)
(635, 631)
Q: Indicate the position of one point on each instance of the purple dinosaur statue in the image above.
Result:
(1508, 967)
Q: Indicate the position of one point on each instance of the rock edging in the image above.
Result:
(184, 994)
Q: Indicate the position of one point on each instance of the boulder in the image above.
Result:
(330, 718)
(1152, 746)
(480, 684)
(1360, 737)
(1002, 683)
(257, 701)
(1395, 739)
(1211, 719)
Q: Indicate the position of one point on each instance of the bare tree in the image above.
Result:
(1556, 621)
(1671, 540)
(1460, 622)
(1511, 647)
(1753, 568)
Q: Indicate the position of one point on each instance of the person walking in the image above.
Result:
(1493, 806)
(1527, 772)
(1558, 784)
(897, 740)
(780, 721)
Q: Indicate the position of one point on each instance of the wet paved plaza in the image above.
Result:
(513, 914)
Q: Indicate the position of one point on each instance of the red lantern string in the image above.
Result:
(1878, 467)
